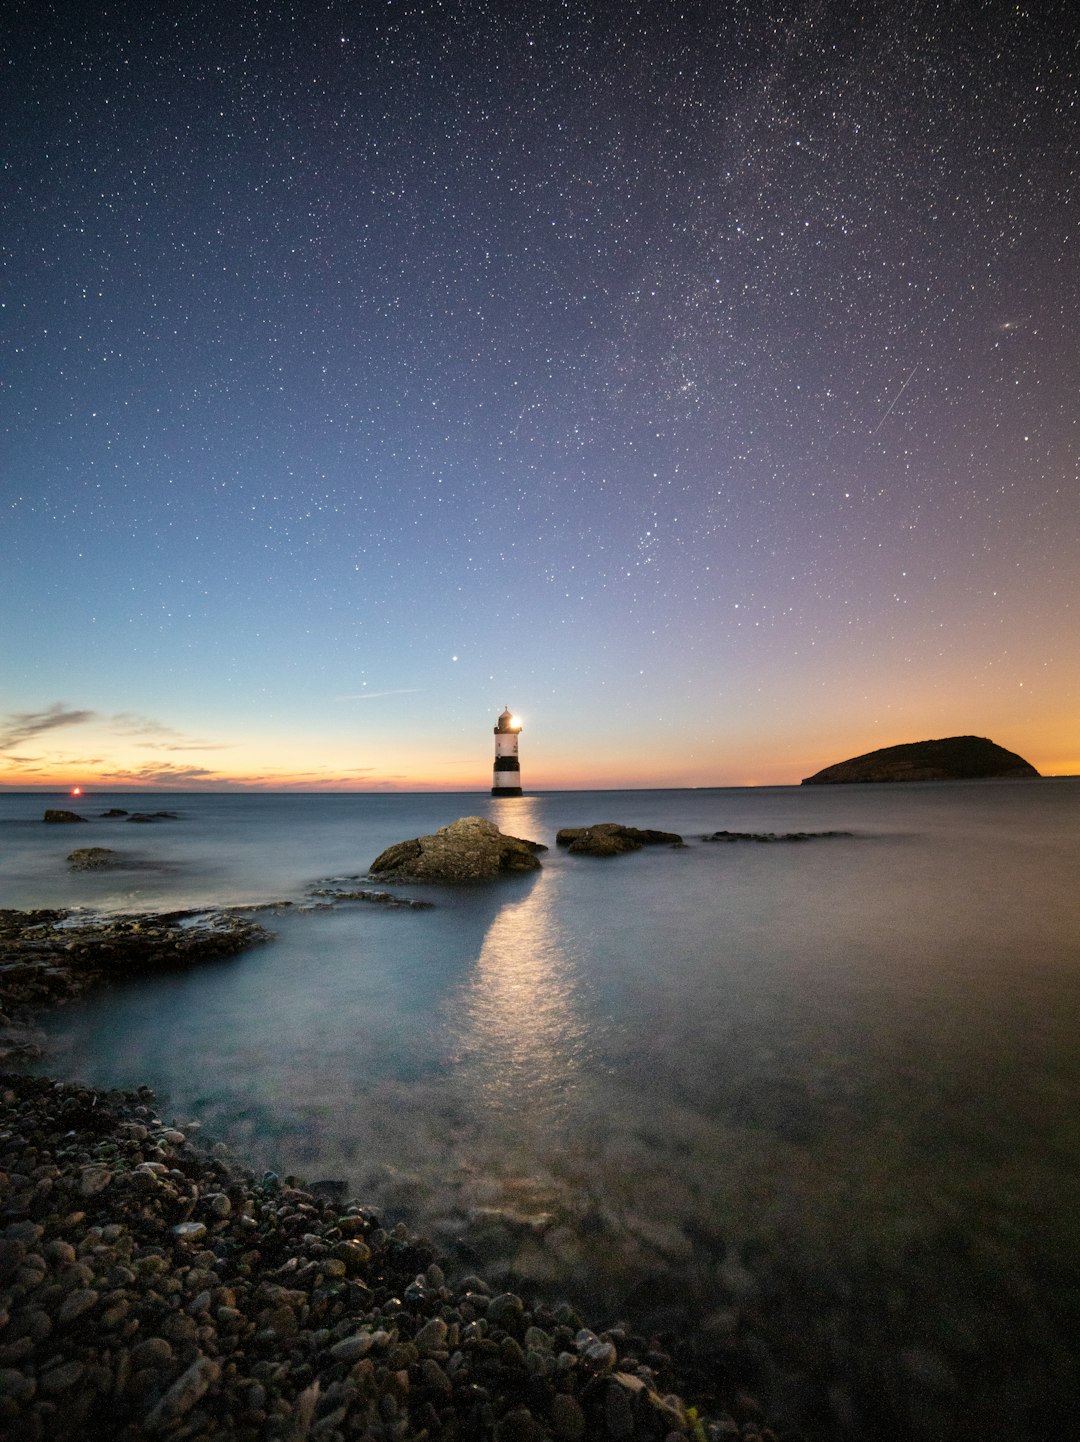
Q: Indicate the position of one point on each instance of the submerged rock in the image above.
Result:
(92, 858)
(471, 849)
(114, 811)
(153, 816)
(376, 898)
(62, 817)
(773, 835)
(608, 838)
(952, 758)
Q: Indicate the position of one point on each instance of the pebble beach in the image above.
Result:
(152, 1286)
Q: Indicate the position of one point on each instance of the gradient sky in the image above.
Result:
(699, 379)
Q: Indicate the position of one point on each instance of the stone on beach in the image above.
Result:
(471, 849)
(609, 838)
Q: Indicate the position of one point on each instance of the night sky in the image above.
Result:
(700, 380)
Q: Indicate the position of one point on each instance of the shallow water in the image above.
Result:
(817, 1099)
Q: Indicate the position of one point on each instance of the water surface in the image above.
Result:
(817, 1100)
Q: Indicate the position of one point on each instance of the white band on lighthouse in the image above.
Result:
(506, 780)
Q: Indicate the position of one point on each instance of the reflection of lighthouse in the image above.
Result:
(507, 778)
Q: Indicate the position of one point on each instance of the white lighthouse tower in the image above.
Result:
(507, 778)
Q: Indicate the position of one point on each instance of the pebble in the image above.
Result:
(94, 1180)
(567, 1418)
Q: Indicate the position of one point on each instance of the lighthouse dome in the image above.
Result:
(506, 715)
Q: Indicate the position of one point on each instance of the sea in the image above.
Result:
(807, 1109)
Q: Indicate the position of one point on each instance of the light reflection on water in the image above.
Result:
(824, 1095)
(518, 1027)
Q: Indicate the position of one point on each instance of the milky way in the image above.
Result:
(700, 380)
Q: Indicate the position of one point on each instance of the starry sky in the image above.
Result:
(701, 380)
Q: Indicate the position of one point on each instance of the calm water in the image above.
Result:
(820, 1100)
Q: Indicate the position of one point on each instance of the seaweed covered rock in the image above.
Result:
(471, 849)
(608, 838)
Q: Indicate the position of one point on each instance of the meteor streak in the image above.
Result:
(899, 393)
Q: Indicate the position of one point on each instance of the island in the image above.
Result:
(951, 758)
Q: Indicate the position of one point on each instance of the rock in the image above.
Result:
(471, 849)
(767, 836)
(952, 758)
(114, 811)
(91, 858)
(94, 1180)
(608, 838)
(62, 817)
(46, 956)
(432, 1336)
(153, 816)
(184, 1393)
(336, 891)
(506, 1307)
(567, 1418)
(59, 1379)
(189, 1231)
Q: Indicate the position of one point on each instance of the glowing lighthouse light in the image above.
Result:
(507, 778)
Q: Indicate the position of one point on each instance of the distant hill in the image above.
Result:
(953, 758)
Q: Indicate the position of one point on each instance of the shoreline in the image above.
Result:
(155, 1287)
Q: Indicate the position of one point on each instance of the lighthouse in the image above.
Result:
(507, 778)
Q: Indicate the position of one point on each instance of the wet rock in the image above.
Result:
(335, 892)
(769, 836)
(93, 1180)
(91, 858)
(188, 1388)
(609, 838)
(113, 812)
(505, 1308)
(567, 1418)
(59, 817)
(472, 849)
(48, 955)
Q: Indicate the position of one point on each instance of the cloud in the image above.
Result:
(155, 735)
(21, 726)
(167, 773)
(375, 695)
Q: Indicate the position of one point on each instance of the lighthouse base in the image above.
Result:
(506, 791)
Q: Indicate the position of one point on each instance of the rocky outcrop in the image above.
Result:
(952, 758)
(153, 816)
(472, 849)
(608, 838)
(92, 858)
(113, 812)
(51, 956)
(62, 817)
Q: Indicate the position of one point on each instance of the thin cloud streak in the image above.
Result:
(24, 725)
